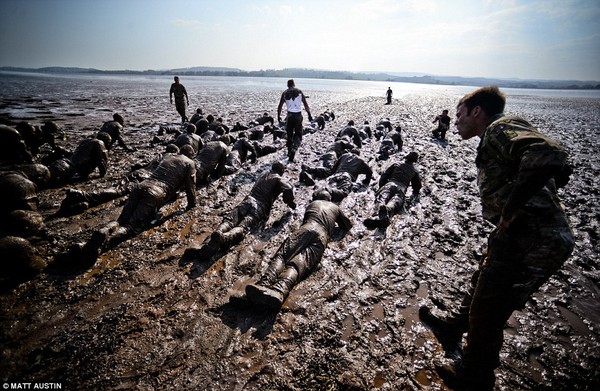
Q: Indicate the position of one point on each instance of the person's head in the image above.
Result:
(176, 78)
(265, 114)
(188, 151)
(290, 83)
(278, 168)
(198, 110)
(117, 117)
(201, 126)
(412, 157)
(321, 194)
(172, 148)
(210, 118)
(242, 135)
(351, 123)
(50, 127)
(191, 128)
(445, 112)
(104, 137)
(398, 128)
(475, 109)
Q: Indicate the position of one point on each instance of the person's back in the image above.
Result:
(321, 216)
(212, 153)
(353, 165)
(90, 154)
(191, 139)
(267, 188)
(402, 174)
(175, 172)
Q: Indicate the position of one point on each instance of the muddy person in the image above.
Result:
(114, 129)
(145, 200)
(251, 212)
(519, 170)
(300, 253)
(393, 184)
(341, 178)
(293, 99)
(388, 95)
(443, 121)
(180, 93)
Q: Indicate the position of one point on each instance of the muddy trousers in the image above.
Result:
(515, 268)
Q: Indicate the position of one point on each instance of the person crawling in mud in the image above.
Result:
(393, 183)
(328, 160)
(519, 171)
(114, 129)
(210, 161)
(443, 121)
(90, 154)
(392, 142)
(342, 175)
(77, 201)
(299, 254)
(251, 212)
(189, 138)
(351, 132)
(262, 120)
(172, 174)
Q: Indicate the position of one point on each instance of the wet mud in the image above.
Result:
(142, 318)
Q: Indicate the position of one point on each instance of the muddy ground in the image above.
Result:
(142, 319)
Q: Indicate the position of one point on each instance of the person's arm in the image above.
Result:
(343, 221)
(186, 95)
(287, 193)
(279, 107)
(368, 171)
(171, 94)
(190, 185)
(305, 103)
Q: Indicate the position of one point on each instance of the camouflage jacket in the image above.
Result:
(517, 167)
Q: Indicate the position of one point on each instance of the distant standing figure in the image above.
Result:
(443, 121)
(293, 123)
(389, 96)
(179, 91)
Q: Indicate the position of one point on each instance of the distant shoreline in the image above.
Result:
(332, 75)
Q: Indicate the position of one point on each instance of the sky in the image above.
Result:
(526, 39)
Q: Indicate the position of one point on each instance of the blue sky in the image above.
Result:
(550, 39)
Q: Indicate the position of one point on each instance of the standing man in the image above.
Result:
(389, 96)
(179, 91)
(519, 170)
(293, 122)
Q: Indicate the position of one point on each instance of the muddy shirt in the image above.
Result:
(267, 188)
(244, 147)
(352, 133)
(354, 166)
(190, 139)
(340, 147)
(395, 138)
(173, 173)
(12, 147)
(516, 165)
(113, 128)
(89, 154)
(212, 156)
(402, 175)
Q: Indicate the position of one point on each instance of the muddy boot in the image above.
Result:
(270, 275)
(306, 178)
(232, 237)
(275, 296)
(384, 216)
(93, 248)
(203, 253)
(371, 223)
(448, 330)
(291, 155)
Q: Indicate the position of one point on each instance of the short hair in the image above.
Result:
(172, 148)
(191, 128)
(105, 138)
(117, 117)
(412, 157)
(201, 125)
(321, 194)
(188, 151)
(290, 83)
(278, 167)
(489, 98)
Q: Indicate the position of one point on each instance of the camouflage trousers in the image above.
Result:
(518, 263)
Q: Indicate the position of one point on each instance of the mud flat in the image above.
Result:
(141, 319)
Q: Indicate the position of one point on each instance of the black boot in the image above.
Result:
(448, 330)
(273, 270)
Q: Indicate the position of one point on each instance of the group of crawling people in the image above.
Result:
(193, 155)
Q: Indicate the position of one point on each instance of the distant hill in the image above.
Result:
(327, 74)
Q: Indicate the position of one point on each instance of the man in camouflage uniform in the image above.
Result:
(180, 93)
(253, 210)
(393, 183)
(519, 170)
(300, 253)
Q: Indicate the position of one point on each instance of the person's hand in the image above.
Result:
(310, 118)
